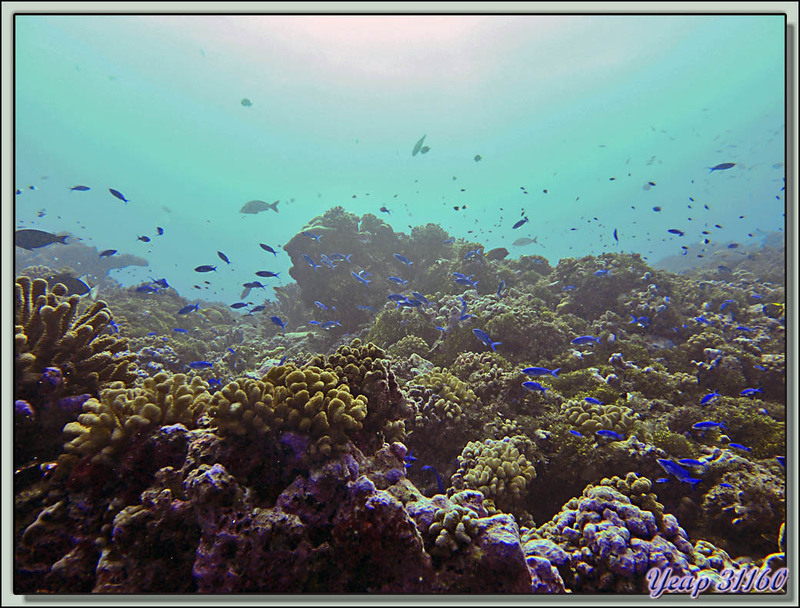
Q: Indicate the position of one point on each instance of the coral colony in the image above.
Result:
(410, 415)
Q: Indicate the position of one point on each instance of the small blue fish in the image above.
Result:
(365, 307)
(144, 239)
(200, 364)
(420, 297)
(760, 367)
(214, 382)
(320, 305)
(576, 433)
(602, 272)
(147, 289)
(662, 480)
(239, 305)
(609, 434)
(702, 319)
(438, 477)
(340, 257)
(161, 283)
(315, 322)
(691, 462)
(403, 259)
(568, 288)
(706, 425)
(330, 324)
(410, 459)
(463, 304)
(739, 446)
(360, 278)
(466, 316)
(459, 275)
(519, 223)
(534, 386)
(80, 188)
(721, 167)
(223, 257)
(467, 283)
(593, 401)
(311, 235)
(472, 254)
(152, 333)
(781, 460)
(724, 304)
(310, 261)
(397, 280)
(749, 392)
(500, 288)
(107, 252)
(119, 195)
(709, 397)
(327, 261)
(690, 480)
(181, 330)
(277, 321)
(410, 302)
(672, 468)
(395, 297)
(743, 328)
(269, 249)
(484, 337)
(541, 371)
(449, 241)
(585, 340)
(187, 309)
(267, 273)
(159, 230)
(725, 485)
(676, 231)
(206, 268)
(114, 326)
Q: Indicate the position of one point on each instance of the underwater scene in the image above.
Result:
(399, 304)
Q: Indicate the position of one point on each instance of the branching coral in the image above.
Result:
(590, 417)
(48, 334)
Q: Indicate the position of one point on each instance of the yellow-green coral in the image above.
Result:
(409, 345)
(308, 400)
(47, 334)
(638, 490)
(497, 469)
(590, 417)
(108, 423)
(452, 529)
(454, 395)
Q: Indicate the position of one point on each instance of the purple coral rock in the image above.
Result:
(398, 450)
(544, 576)
(548, 550)
(361, 486)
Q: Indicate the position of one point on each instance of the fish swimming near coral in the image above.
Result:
(279, 322)
(585, 340)
(498, 253)
(187, 309)
(73, 285)
(403, 259)
(520, 223)
(107, 252)
(541, 371)
(200, 364)
(534, 386)
(29, 238)
(253, 207)
(267, 273)
(484, 337)
(609, 434)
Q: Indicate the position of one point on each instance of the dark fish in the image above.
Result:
(418, 145)
(161, 283)
(253, 284)
(691, 462)
(420, 297)
(312, 235)
(187, 309)
(267, 273)
(519, 223)
(147, 289)
(395, 297)
(200, 364)
(320, 305)
(258, 308)
(484, 337)
(498, 253)
(424, 149)
(585, 340)
(268, 248)
(223, 257)
(239, 305)
(360, 278)
(477, 158)
(439, 483)
(385, 210)
(253, 207)
(739, 446)
(403, 259)
(80, 188)
(721, 167)
(656, 208)
(107, 252)
(205, 268)
(749, 392)
(144, 239)
(330, 324)
(602, 272)
(277, 321)
(616, 238)
(73, 285)
(500, 288)
(576, 433)
(118, 194)
(33, 239)
(159, 230)
(676, 231)
(246, 102)
(365, 307)
(398, 280)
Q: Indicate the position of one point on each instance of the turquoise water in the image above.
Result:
(151, 106)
